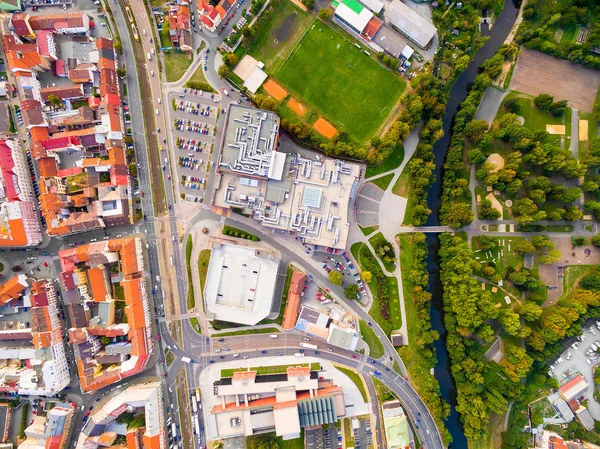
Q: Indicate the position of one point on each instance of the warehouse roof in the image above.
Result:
(410, 23)
(353, 13)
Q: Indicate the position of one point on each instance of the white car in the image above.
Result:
(588, 361)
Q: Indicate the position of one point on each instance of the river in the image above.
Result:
(497, 34)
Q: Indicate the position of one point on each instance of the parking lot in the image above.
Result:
(363, 436)
(193, 116)
(319, 438)
(581, 357)
(341, 262)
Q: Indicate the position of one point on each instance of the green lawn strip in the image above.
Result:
(358, 381)
(402, 188)
(265, 330)
(297, 443)
(189, 246)
(196, 324)
(369, 229)
(165, 38)
(176, 64)
(348, 434)
(275, 369)
(119, 291)
(372, 340)
(169, 357)
(203, 259)
(392, 162)
(377, 240)
(278, 31)
(383, 393)
(383, 181)
(239, 233)
(348, 87)
(199, 81)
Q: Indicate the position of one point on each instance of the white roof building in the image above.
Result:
(374, 5)
(356, 20)
(410, 23)
(240, 284)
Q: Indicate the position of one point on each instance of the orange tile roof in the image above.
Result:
(286, 404)
(47, 167)
(97, 280)
(290, 315)
(293, 371)
(11, 289)
(151, 442)
(39, 133)
(244, 375)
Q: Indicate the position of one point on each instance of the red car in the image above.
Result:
(158, 336)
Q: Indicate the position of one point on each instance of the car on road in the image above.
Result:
(263, 352)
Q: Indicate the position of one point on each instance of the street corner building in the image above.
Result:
(50, 431)
(252, 403)
(74, 122)
(108, 427)
(107, 298)
(304, 194)
(240, 283)
(33, 360)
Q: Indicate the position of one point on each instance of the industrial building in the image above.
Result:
(410, 23)
(240, 284)
(284, 403)
(305, 194)
(357, 17)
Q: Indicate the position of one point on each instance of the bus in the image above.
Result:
(174, 431)
(308, 345)
(129, 15)
(198, 394)
(136, 36)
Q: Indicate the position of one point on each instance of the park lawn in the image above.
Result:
(384, 181)
(572, 276)
(369, 336)
(176, 64)
(377, 240)
(369, 230)
(285, 23)
(263, 330)
(355, 377)
(508, 259)
(351, 89)
(536, 119)
(199, 78)
(392, 162)
(196, 324)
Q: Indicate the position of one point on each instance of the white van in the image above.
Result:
(273, 336)
(156, 111)
(149, 56)
(159, 100)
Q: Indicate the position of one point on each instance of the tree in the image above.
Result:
(558, 108)
(475, 130)
(596, 240)
(309, 3)
(335, 277)
(55, 101)
(550, 257)
(543, 101)
(223, 71)
(459, 214)
(486, 211)
(105, 340)
(118, 46)
(352, 291)
(523, 246)
(366, 276)
(121, 72)
(325, 14)
(230, 59)
(530, 311)
(488, 272)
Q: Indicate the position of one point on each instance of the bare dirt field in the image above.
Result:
(296, 106)
(538, 73)
(275, 90)
(325, 128)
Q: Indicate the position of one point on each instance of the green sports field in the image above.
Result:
(348, 87)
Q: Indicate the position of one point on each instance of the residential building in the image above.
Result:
(33, 359)
(573, 388)
(19, 220)
(103, 428)
(179, 28)
(251, 403)
(84, 180)
(240, 284)
(210, 16)
(304, 194)
(106, 294)
(50, 431)
(395, 425)
(410, 23)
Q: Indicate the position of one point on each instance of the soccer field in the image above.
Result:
(348, 87)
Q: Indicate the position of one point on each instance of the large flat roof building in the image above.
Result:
(240, 284)
(305, 193)
(410, 23)
(395, 425)
(284, 403)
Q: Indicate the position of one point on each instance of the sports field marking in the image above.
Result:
(583, 130)
(556, 129)
(325, 128)
(296, 106)
(275, 90)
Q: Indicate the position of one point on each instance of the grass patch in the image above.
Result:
(351, 89)
(382, 391)
(376, 241)
(169, 357)
(196, 324)
(199, 81)
(265, 330)
(275, 369)
(384, 181)
(203, 260)
(355, 377)
(348, 435)
(189, 246)
(572, 276)
(536, 119)
(119, 291)
(559, 228)
(369, 229)
(392, 162)
(372, 340)
(284, 19)
(175, 65)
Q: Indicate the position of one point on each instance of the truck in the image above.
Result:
(198, 394)
(186, 360)
(308, 345)
(194, 405)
